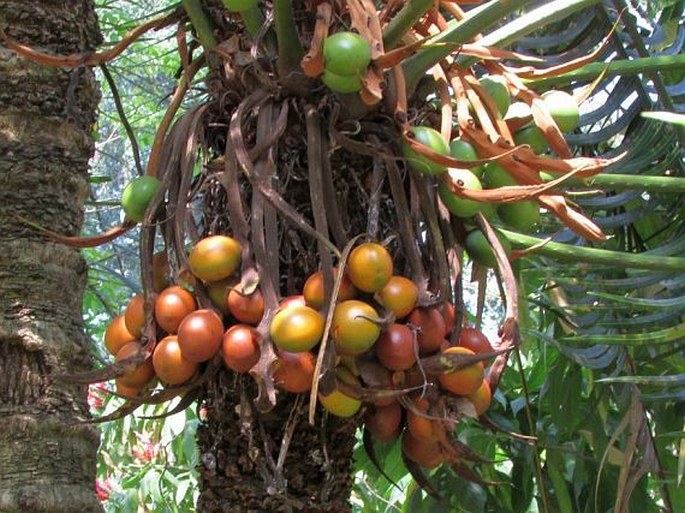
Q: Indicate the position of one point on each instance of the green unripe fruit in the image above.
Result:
(240, 5)
(563, 109)
(496, 176)
(346, 53)
(460, 207)
(462, 150)
(480, 251)
(137, 196)
(495, 86)
(433, 140)
(341, 83)
(520, 215)
(533, 137)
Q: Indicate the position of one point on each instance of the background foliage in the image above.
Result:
(599, 378)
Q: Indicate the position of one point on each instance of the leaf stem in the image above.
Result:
(667, 184)
(403, 21)
(619, 259)
(201, 24)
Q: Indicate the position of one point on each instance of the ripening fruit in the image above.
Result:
(218, 293)
(395, 347)
(134, 317)
(478, 248)
(460, 207)
(135, 376)
(420, 426)
(533, 137)
(214, 258)
(313, 289)
(431, 138)
(297, 328)
(464, 150)
(247, 309)
(353, 328)
(338, 403)
(170, 366)
(294, 372)
(344, 84)
(430, 326)
(425, 454)
(380, 378)
(295, 300)
(240, 347)
(563, 108)
(369, 267)
(137, 196)
(464, 381)
(399, 296)
(475, 340)
(116, 335)
(172, 305)
(496, 87)
(481, 398)
(384, 422)
(199, 335)
(346, 53)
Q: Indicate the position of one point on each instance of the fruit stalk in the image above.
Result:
(403, 21)
(290, 51)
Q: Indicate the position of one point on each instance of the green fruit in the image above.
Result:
(563, 109)
(462, 150)
(433, 140)
(346, 53)
(480, 251)
(460, 207)
(495, 86)
(496, 176)
(137, 196)
(341, 83)
(338, 403)
(533, 137)
(518, 110)
(520, 215)
(240, 5)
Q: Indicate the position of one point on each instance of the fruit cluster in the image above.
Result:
(379, 331)
(346, 56)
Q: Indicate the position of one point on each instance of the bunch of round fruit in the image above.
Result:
(346, 56)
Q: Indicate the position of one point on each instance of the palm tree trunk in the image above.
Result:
(47, 459)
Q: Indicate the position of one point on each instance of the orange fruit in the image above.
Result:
(481, 398)
(116, 335)
(399, 296)
(463, 381)
(418, 424)
(313, 289)
(171, 307)
(169, 364)
(425, 454)
(135, 376)
(294, 372)
(384, 422)
(247, 309)
(135, 316)
(338, 403)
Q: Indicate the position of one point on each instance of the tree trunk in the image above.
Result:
(47, 459)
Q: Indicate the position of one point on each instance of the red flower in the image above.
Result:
(103, 489)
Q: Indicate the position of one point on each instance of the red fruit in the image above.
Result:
(418, 423)
(240, 347)
(475, 340)
(431, 328)
(395, 347)
(247, 309)
(135, 376)
(425, 454)
(169, 364)
(294, 372)
(199, 335)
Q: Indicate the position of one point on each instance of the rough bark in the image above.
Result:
(240, 448)
(47, 459)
